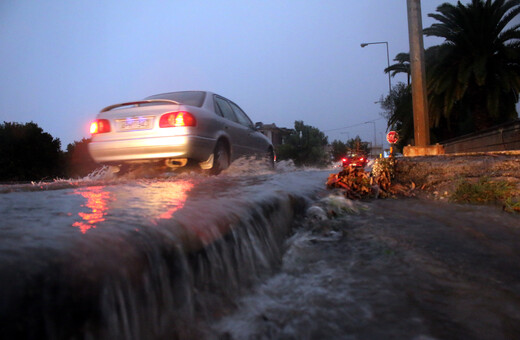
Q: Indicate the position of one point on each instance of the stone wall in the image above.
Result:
(439, 175)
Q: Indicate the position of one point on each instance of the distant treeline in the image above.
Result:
(27, 153)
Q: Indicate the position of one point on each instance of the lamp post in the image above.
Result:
(375, 141)
(387, 60)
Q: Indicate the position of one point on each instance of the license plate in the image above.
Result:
(135, 123)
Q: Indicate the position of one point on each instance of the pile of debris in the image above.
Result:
(355, 181)
(358, 183)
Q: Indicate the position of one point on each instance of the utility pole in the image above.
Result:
(419, 92)
(419, 97)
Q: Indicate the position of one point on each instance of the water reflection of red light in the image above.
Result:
(172, 199)
(97, 202)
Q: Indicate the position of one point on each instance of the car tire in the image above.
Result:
(220, 158)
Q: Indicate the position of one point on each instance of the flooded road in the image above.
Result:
(142, 258)
(237, 257)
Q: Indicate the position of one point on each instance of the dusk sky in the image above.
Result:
(281, 61)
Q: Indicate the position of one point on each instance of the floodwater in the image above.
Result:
(250, 254)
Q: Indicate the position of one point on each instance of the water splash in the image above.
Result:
(153, 258)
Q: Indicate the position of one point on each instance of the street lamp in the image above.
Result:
(375, 141)
(387, 60)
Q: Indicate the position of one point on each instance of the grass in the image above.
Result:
(486, 191)
(512, 205)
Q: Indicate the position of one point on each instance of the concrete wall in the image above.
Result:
(501, 138)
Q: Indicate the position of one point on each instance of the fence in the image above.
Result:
(503, 137)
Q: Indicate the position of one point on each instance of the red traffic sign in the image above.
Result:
(392, 137)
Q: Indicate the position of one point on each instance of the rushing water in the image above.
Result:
(141, 258)
(242, 256)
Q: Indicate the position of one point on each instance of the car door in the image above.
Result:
(237, 132)
(254, 143)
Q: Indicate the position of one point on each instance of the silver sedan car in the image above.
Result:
(175, 129)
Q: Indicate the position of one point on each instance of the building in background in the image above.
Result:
(276, 134)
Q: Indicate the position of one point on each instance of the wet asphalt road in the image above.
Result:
(460, 264)
(400, 269)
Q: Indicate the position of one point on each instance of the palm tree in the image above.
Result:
(402, 65)
(476, 71)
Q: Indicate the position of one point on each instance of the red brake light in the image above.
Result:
(99, 126)
(172, 119)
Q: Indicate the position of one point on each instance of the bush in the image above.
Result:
(487, 192)
(27, 153)
(78, 160)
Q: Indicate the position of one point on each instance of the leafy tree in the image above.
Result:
(399, 113)
(441, 128)
(305, 146)
(339, 149)
(357, 146)
(473, 78)
(27, 153)
(353, 145)
(78, 160)
(474, 75)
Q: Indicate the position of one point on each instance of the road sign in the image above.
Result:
(392, 137)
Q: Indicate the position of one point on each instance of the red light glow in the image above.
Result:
(175, 198)
(175, 119)
(97, 200)
(99, 126)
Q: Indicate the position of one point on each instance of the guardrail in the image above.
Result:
(504, 137)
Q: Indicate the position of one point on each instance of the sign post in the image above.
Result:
(392, 137)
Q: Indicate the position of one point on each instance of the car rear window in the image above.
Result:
(192, 98)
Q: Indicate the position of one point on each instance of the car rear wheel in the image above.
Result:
(220, 159)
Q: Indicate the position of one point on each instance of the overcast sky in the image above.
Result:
(281, 61)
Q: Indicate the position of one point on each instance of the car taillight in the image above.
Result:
(99, 126)
(343, 159)
(172, 119)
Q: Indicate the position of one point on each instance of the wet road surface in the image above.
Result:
(398, 269)
(196, 257)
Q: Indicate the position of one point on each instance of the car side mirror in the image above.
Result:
(258, 125)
